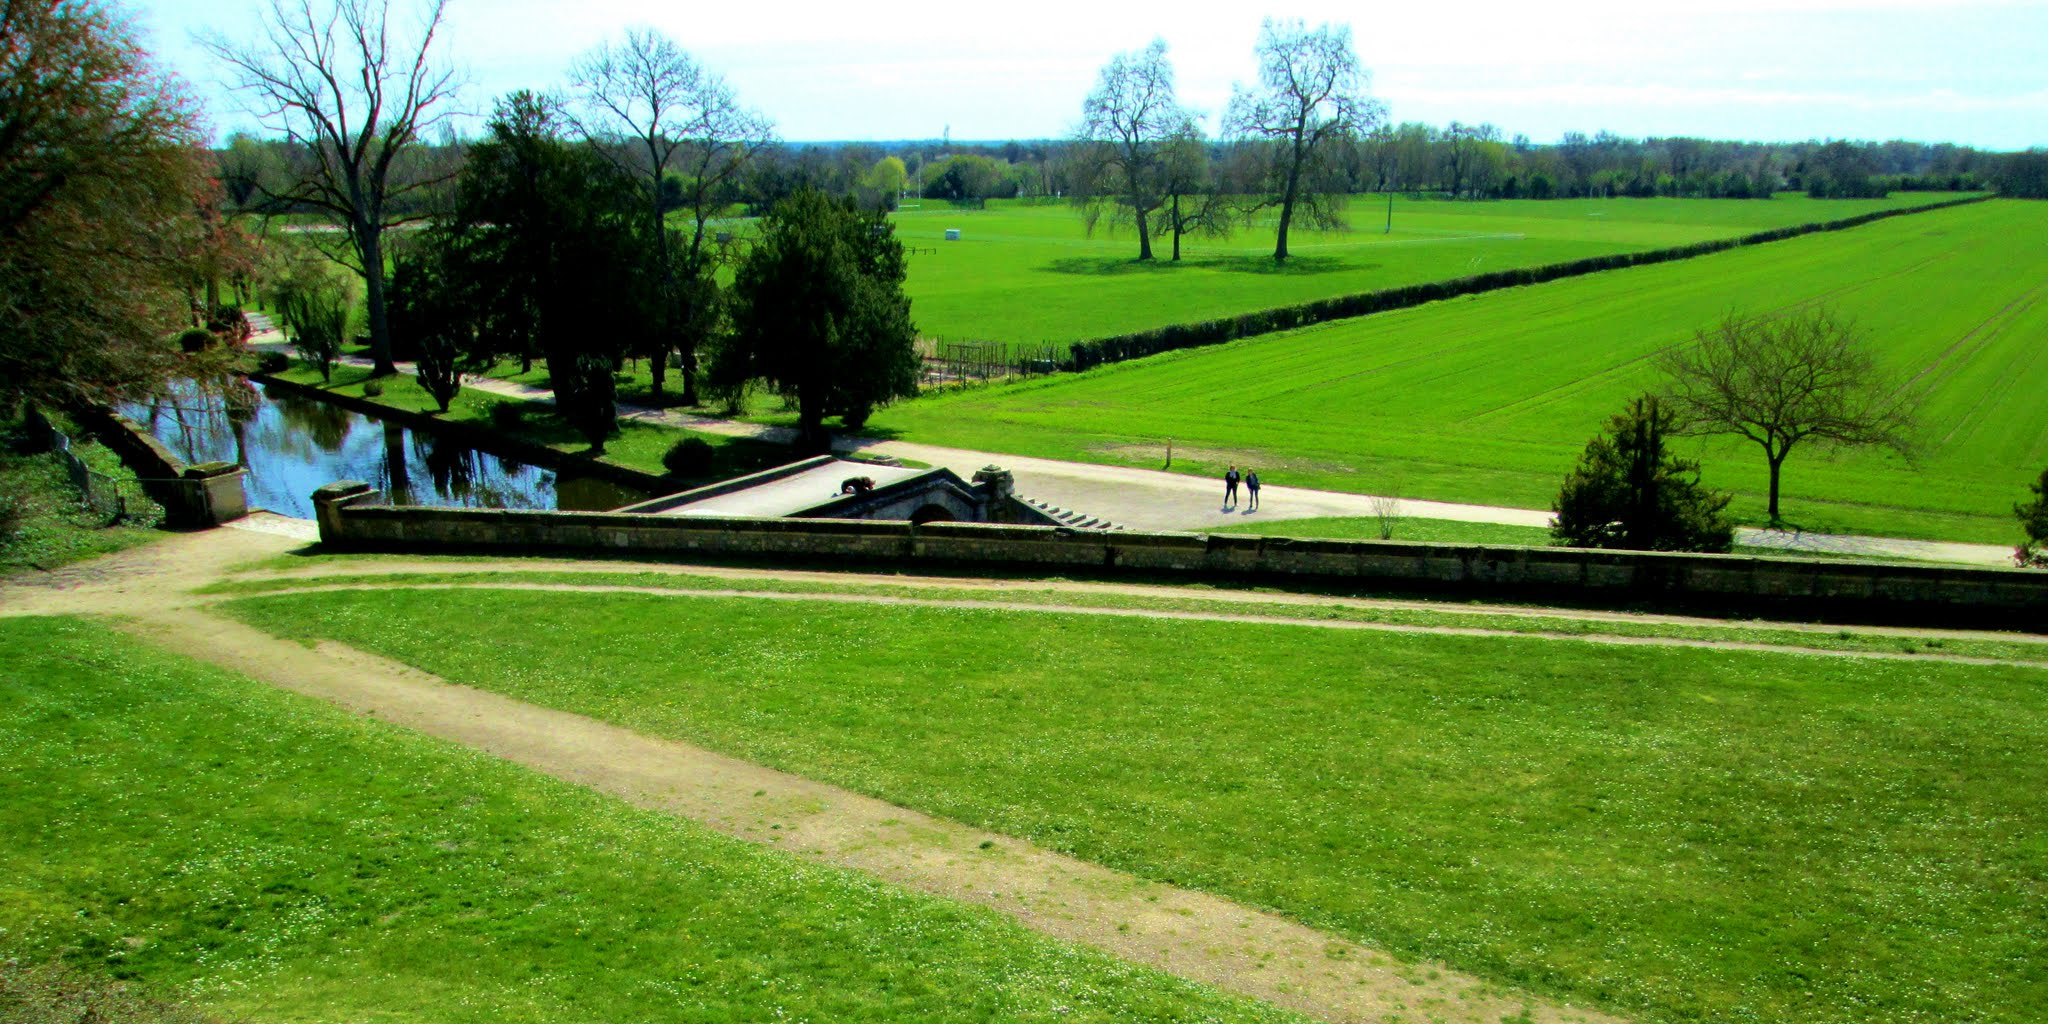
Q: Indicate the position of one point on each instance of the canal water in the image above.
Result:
(292, 445)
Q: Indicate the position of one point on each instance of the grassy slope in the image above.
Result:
(1681, 834)
(54, 526)
(1491, 398)
(1032, 273)
(281, 860)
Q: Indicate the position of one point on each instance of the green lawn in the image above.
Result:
(1679, 835)
(1033, 274)
(1491, 398)
(272, 858)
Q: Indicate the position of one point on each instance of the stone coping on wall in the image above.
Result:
(1842, 590)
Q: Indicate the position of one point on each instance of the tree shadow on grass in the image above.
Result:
(1234, 263)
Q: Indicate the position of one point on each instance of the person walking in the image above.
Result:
(1251, 490)
(1230, 480)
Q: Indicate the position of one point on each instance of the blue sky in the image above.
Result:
(1973, 73)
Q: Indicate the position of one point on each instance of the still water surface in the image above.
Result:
(293, 445)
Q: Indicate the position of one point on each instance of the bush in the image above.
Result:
(273, 362)
(2033, 517)
(1628, 491)
(196, 339)
(691, 456)
(373, 389)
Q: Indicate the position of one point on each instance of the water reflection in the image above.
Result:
(292, 445)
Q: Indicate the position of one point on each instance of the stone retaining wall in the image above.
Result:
(204, 495)
(1802, 588)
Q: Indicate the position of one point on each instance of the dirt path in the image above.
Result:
(1187, 616)
(1193, 934)
(399, 565)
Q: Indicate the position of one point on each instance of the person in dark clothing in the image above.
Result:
(1251, 490)
(1230, 480)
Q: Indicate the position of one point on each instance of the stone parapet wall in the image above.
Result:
(193, 496)
(1803, 588)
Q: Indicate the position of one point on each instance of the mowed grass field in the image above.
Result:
(1034, 274)
(1491, 398)
(269, 857)
(1673, 834)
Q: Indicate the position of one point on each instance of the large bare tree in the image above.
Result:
(1126, 126)
(1309, 103)
(1806, 377)
(352, 100)
(682, 124)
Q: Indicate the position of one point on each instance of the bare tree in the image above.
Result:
(1191, 202)
(1780, 381)
(352, 101)
(649, 94)
(1126, 125)
(1308, 104)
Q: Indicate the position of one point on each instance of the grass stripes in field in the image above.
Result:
(1490, 399)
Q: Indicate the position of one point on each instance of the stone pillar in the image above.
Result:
(998, 489)
(328, 502)
(222, 496)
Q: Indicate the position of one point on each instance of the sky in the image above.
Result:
(1771, 70)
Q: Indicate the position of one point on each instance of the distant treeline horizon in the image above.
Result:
(1457, 162)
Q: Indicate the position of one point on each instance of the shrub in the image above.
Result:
(1629, 491)
(373, 389)
(273, 362)
(196, 339)
(691, 456)
(2033, 517)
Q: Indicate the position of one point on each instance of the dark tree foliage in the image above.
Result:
(819, 314)
(1630, 491)
(2024, 175)
(547, 248)
(101, 181)
(434, 317)
(2033, 517)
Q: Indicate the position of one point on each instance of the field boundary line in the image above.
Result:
(1186, 932)
(1094, 352)
(1604, 639)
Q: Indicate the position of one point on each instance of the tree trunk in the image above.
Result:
(689, 372)
(1144, 233)
(1176, 228)
(373, 296)
(1777, 461)
(658, 365)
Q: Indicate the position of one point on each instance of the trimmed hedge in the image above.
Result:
(1102, 351)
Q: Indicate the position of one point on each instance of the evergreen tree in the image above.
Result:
(819, 314)
(1629, 491)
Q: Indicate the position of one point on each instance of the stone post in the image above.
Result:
(328, 502)
(222, 496)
